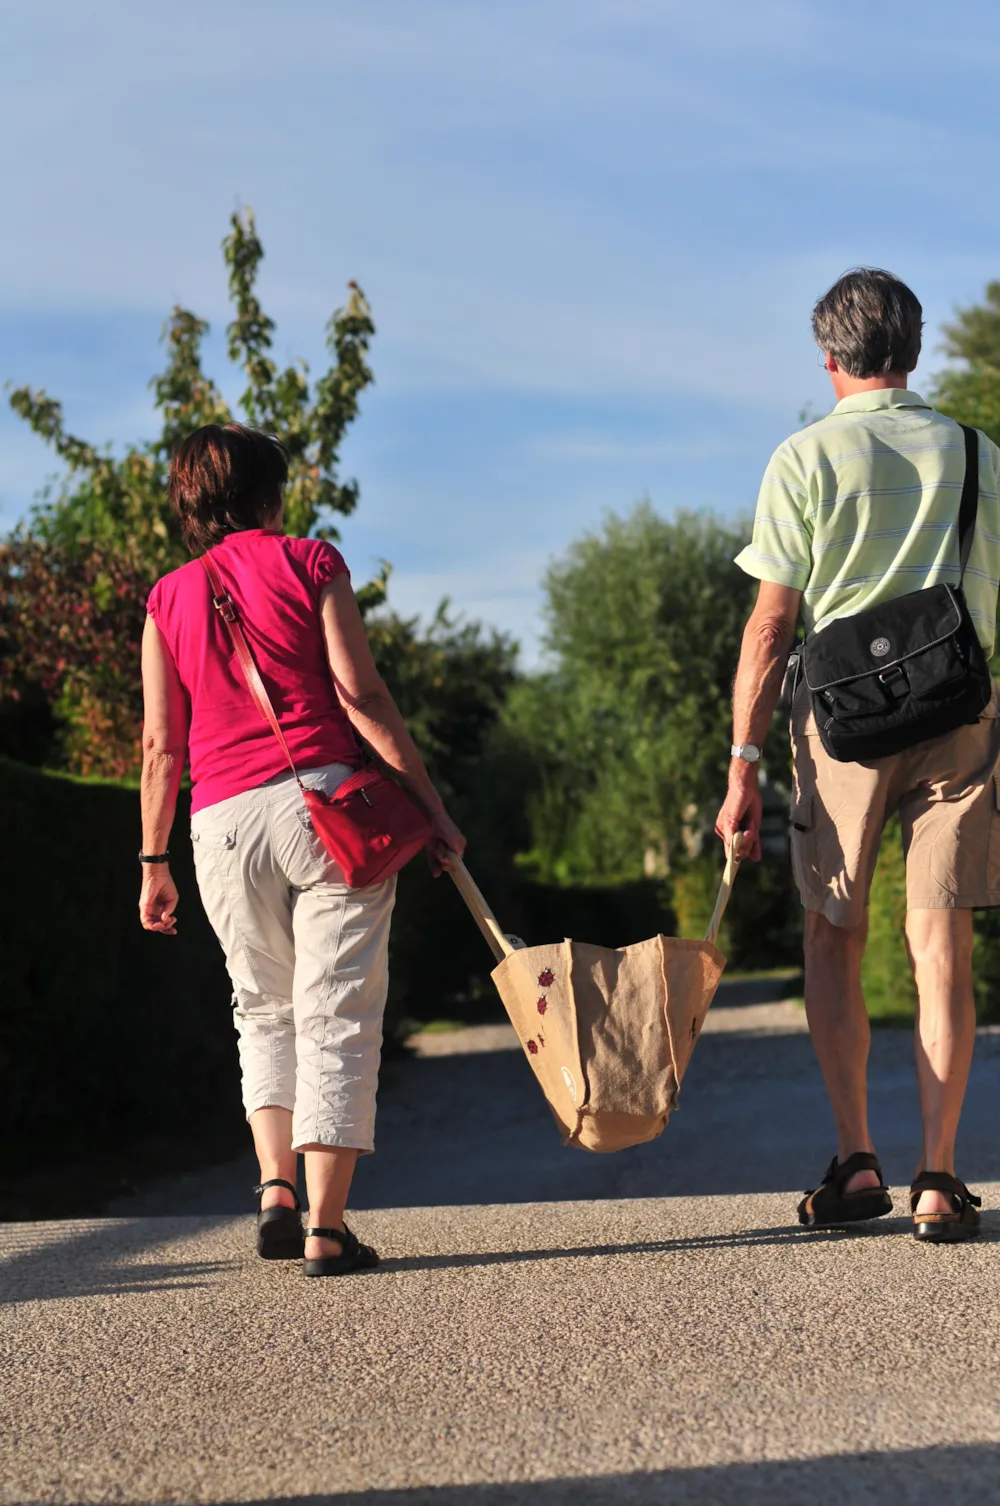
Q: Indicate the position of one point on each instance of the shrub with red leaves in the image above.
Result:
(71, 623)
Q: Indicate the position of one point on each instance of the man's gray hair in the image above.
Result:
(870, 323)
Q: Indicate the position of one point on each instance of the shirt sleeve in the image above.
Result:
(328, 563)
(153, 601)
(780, 550)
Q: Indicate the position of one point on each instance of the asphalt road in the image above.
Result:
(546, 1326)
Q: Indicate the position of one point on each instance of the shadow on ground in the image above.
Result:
(922, 1477)
(105, 1258)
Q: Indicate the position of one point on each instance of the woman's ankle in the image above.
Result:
(277, 1197)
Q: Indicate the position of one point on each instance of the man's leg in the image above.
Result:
(940, 946)
(838, 1024)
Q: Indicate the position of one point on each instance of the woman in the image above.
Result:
(306, 954)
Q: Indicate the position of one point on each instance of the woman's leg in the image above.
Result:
(248, 905)
(272, 1140)
(329, 1169)
(339, 993)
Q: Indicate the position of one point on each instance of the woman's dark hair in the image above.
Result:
(870, 323)
(225, 478)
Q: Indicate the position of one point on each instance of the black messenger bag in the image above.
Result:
(899, 674)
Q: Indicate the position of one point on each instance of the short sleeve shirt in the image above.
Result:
(276, 583)
(862, 507)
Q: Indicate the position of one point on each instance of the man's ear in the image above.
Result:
(830, 363)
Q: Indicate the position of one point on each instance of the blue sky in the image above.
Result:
(591, 232)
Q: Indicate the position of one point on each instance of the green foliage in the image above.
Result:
(449, 680)
(970, 391)
(73, 584)
(104, 499)
(885, 974)
(629, 731)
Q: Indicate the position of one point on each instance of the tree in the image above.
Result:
(73, 583)
(630, 728)
(970, 391)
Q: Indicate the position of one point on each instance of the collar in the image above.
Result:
(251, 533)
(880, 397)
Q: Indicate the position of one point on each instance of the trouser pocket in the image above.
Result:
(805, 854)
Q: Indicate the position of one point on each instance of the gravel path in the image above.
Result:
(662, 1350)
(547, 1327)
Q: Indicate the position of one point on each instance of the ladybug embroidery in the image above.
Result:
(542, 1006)
(532, 1048)
(541, 1039)
(547, 978)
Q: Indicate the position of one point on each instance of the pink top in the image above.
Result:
(275, 582)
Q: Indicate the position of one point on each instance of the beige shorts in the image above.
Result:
(948, 798)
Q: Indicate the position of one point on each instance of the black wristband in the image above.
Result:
(158, 857)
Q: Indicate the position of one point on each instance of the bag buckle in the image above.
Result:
(895, 681)
(225, 608)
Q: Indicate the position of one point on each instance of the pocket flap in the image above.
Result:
(801, 814)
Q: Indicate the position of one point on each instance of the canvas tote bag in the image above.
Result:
(608, 1033)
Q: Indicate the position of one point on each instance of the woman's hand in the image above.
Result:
(446, 843)
(158, 900)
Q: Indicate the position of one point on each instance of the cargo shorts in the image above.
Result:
(947, 794)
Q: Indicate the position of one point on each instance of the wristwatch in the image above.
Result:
(749, 752)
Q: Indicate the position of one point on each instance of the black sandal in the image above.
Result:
(945, 1228)
(354, 1256)
(279, 1230)
(832, 1206)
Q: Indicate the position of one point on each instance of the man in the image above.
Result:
(857, 509)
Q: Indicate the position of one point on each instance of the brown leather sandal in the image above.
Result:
(828, 1205)
(945, 1228)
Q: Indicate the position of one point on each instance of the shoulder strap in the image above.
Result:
(969, 505)
(226, 608)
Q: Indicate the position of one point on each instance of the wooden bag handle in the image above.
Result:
(501, 947)
(734, 854)
(481, 912)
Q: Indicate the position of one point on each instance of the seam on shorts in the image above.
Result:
(328, 979)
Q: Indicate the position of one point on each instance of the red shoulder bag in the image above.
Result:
(370, 827)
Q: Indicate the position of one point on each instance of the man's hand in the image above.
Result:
(741, 809)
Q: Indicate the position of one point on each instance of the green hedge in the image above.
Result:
(104, 1028)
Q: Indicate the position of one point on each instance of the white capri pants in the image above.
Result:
(308, 959)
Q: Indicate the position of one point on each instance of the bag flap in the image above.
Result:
(874, 640)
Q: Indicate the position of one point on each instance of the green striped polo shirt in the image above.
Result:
(862, 506)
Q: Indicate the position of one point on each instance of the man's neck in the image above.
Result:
(847, 386)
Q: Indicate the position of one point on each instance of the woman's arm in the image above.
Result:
(164, 750)
(372, 711)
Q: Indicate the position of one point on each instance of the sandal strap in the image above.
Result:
(942, 1181)
(277, 1182)
(839, 1173)
(348, 1241)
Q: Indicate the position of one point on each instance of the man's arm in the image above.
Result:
(767, 639)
